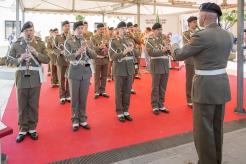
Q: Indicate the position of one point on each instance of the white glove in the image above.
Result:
(175, 39)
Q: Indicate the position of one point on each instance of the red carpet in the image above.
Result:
(57, 141)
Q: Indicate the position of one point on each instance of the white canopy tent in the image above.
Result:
(117, 7)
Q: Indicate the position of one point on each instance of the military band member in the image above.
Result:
(78, 53)
(100, 42)
(148, 33)
(189, 65)
(159, 68)
(137, 53)
(62, 64)
(27, 53)
(86, 34)
(111, 36)
(209, 49)
(120, 50)
(139, 41)
(53, 57)
(46, 42)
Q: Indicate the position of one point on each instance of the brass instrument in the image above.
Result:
(61, 46)
(168, 49)
(130, 44)
(102, 46)
(83, 56)
(27, 61)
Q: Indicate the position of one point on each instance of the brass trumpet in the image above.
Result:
(83, 55)
(168, 49)
(131, 45)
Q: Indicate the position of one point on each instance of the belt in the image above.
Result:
(30, 68)
(102, 56)
(127, 58)
(39, 69)
(159, 57)
(76, 62)
(210, 72)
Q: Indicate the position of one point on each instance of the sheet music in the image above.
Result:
(2, 125)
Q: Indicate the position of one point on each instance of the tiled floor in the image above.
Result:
(5, 89)
(234, 152)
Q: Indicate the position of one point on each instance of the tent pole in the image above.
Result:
(17, 23)
(240, 28)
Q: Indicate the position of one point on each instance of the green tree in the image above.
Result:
(80, 18)
(229, 18)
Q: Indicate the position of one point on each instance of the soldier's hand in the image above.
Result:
(131, 48)
(24, 56)
(33, 50)
(125, 51)
(80, 51)
(62, 52)
(164, 49)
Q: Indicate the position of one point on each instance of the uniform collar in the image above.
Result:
(212, 25)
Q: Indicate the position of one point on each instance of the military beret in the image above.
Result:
(28, 24)
(156, 26)
(211, 7)
(65, 22)
(111, 28)
(85, 22)
(121, 24)
(100, 25)
(129, 24)
(55, 29)
(77, 24)
(192, 18)
(135, 25)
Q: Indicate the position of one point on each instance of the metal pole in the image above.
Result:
(23, 16)
(17, 23)
(138, 14)
(154, 7)
(103, 17)
(240, 27)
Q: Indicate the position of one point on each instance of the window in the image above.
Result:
(10, 28)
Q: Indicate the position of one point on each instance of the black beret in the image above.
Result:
(121, 24)
(156, 26)
(100, 25)
(85, 22)
(65, 22)
(192, 18)
(28, 24)
(129, 24)
(111, 28)
(135, 25)
(55, 29)
(211, 7)
(77, 24)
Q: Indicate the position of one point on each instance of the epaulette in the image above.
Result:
(185, 32)
(19, 39)
(38, 38)
(150, 37)
(59, 35)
